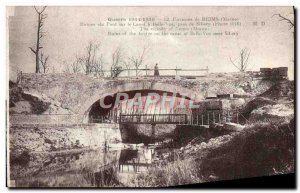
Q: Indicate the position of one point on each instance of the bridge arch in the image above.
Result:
(140, 86)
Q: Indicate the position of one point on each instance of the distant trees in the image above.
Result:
(89, 62)
(90, 59)
(118, 63)
(74, 67)
(92, 62)
(40, 34)
(242, 61)
(138, 60)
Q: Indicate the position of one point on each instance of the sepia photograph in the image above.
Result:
(148, 96)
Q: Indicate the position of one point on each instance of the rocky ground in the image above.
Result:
(265, 145)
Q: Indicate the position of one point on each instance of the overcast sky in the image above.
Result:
(270, 45)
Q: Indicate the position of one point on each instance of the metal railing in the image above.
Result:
(153, 118)
(149, 72)
(205, 119)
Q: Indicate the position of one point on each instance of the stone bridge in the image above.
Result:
(76, 93)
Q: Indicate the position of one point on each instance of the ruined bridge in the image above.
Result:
(71, 96)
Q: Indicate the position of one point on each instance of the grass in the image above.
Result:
(178, 172)
(105, 178)
(259, 150)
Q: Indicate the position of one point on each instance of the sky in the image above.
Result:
(271, 45)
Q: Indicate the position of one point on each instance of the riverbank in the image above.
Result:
(261, 149)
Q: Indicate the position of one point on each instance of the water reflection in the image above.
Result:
(95, 168)
(135, 161)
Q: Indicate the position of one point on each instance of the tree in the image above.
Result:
(44, 64)
(138, 61)
(90, 61)
(117, 63)
(74, 67)
(289, 21)
(40, 35)
(97, 66)
(242, 62)
(282, 18)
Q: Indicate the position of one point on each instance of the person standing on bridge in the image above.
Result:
(156, 72)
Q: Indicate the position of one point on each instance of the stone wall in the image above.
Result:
(44, 119)
(77, 91)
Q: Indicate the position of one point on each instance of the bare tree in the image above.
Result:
(242, 62)
(97, 66)
(67, 68)
(289, 21)
(118, 63)
(40, 34)
(74, 67)
(44, 64)
(90, 61)
(127, 66)
(138, 61)
(282, 18)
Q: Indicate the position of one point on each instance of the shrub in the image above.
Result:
(257, 151)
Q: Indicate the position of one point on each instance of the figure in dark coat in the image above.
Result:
(156, 72)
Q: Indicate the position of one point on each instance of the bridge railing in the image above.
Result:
(207, 118)
(153, 118)
(149, 72)
(216, 117)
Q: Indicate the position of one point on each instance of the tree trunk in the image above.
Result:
(37, 66)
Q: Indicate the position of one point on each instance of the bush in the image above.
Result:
(21, 159)
(258, 151)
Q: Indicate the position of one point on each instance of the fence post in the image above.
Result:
(228, 113)
(146, 70)
(207, 118)
(206, 70)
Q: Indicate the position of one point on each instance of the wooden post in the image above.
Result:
(207, 118)
(219, 117)
(237, 117)
(228, 116)
(185, 119)
(146, 70)
(202, 119)
(206, 70)
(153, 133)
(197, 119)
(213, 117)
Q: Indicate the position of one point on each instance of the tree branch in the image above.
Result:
(282, 18)
(32, 50)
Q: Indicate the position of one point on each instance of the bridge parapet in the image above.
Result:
(78, 91)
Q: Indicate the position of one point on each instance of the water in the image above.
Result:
(93, 168)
